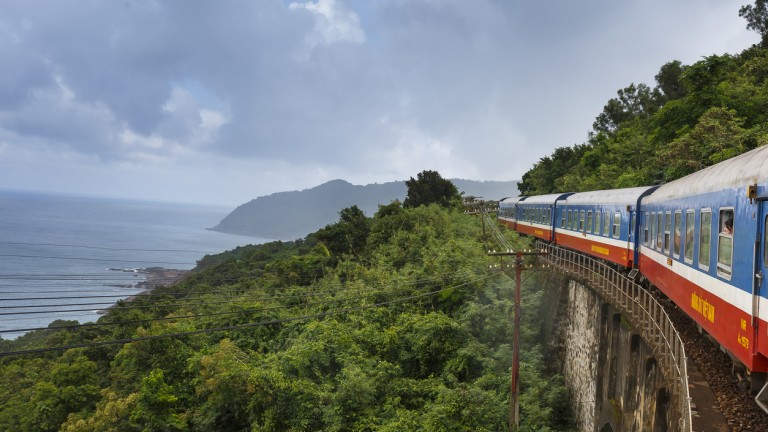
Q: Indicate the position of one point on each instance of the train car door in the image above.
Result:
(759, 284)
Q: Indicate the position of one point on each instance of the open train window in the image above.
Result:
(659, 230)
(677, 239)
(667, 231)
(689, 230)
(581, 220)
(616, 224)
(598, 228)
(589, 221)
(606, 223)
(632, 226)
(725, 243)
(705, 238)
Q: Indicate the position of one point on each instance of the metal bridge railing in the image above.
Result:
(642, 310)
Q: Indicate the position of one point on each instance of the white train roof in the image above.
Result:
(626, 196)
(746, 169)
(512, 200)
(545, 199)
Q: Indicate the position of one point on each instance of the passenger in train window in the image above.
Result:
(728, 227)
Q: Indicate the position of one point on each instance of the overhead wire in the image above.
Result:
(227, 328)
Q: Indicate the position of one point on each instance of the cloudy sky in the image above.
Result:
(223, 101)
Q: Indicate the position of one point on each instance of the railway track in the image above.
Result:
(738, 407)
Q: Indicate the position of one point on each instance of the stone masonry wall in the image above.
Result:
(614, 381)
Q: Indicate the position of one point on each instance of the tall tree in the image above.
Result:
(429, 187)
(669, 80)
(632, 102)
(757, 18)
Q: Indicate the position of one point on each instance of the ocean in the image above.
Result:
(68, 257)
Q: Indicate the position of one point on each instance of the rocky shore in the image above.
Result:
(156, 276)
(153, 277)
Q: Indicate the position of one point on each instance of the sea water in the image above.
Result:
(70, 258)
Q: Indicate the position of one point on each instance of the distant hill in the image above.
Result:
(292, 215)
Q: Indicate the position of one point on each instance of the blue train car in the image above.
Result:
(601, 223)
(536, 215)
(508, 211)
(704, 245)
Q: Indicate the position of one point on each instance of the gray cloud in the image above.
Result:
(371, 91)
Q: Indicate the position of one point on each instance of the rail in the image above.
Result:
(642, 310)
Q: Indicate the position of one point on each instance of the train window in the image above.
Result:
(606, 223)
(705, 236)
(652, 224)
(646, 239)
(616, 224)
(689, 229)
(598, 218)
(549, 216)
(632, 225)
(667, 231)
(678, 234)
(589, 221)
(570, 214)
(765, 239)
(659, 230)
(581, 220)
(725, 243)
(562, 218)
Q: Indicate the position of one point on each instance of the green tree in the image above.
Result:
(633, 101)
(349, 235)
(669, 81)
(428, 188)
(757, 18)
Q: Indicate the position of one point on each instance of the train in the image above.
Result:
(702, 240)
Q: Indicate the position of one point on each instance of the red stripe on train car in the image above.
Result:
(542, 233)
(616, 254)
(725, 322)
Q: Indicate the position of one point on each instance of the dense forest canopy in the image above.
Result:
(390, 323)
(695, 116)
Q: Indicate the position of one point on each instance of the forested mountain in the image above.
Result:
(291, 215)
(695, 116)
(389, 323)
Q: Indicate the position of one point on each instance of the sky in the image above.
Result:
(220, 102)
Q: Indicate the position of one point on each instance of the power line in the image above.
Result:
(94, 259)
(227, 328)
(104, 247)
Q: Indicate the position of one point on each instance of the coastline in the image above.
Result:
(153, 278)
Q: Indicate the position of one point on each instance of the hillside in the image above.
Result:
(291, 215)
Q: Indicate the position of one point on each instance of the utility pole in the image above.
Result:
(514, 382)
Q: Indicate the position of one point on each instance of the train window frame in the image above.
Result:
(652, 226)
(690, 237)
(667, 232)
(705, 247)
(616, 225)
(582, 220)
(677, 236)
(570, 215)
(725, 245)
(645, 229)
(549, 216)
(606, 223)
(590, 221)
(562, 218)
(598, 219)
(632, 226)
(659, 231)
(765, 241)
